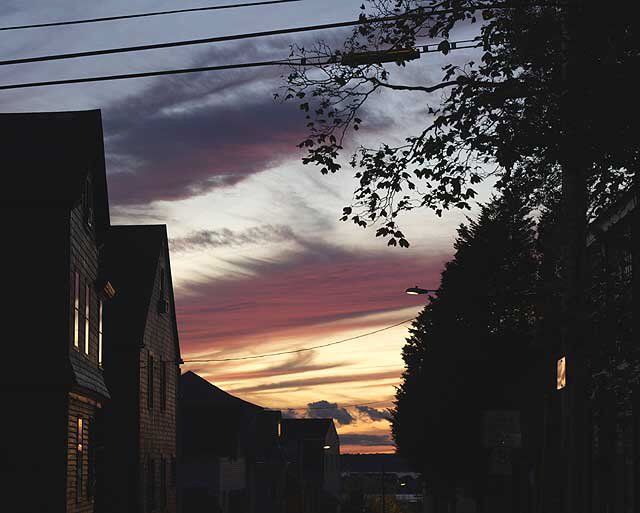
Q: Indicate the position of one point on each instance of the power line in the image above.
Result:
(302, 62)
(142, 75)
(143, 15)
(218, 39)
(298, 350)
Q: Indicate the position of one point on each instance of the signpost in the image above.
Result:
(501, 435)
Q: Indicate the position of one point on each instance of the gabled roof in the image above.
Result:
(213, 422)
(298, 429)
(48, 155)
(131, 257)
(196, 388)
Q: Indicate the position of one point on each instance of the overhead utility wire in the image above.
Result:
(144, 15)
(297, 350)
(302, 62)
(218, 39)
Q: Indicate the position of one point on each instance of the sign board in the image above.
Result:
(561, 378)
(500, 461)
(502, 429)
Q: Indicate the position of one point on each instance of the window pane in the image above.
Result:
(163, 385)
(87, 305)
(150, 382)
(100, 332)
(76, 310)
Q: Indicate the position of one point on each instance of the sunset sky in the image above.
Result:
(260, 261)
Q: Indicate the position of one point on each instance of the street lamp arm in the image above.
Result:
(418, 290)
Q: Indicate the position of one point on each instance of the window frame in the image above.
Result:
(100, 347)
(163, 385)
(76, 309)
(150, 381)
(87, 317)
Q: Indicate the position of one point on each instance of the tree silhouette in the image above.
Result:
(504, 116)
(470, 345)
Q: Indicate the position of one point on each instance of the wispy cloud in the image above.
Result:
(324, 380)
(206, 239)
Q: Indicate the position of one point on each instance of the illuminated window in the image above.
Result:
(87, 304)
(79, 458)
(100, 333)
(562, 374)
(76, 310)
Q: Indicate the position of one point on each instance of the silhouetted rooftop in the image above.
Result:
(131, 257)
(306, 428)
(46, 156)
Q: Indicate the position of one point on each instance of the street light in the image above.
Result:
(327, 447)
(417, 290)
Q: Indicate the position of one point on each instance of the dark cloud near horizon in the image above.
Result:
(365, 440)
(205, 239)
(373, 413)
(325, 409)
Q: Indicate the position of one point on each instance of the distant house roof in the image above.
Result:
(213, 423)
(297, 429)
(49, 155)
(131, 257)
(195, 388)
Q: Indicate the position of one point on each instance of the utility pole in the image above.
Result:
(384, 506)
(575, 165)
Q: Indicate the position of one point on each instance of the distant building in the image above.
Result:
(367, 478)
(141, 367)
(54, 221)
(214, 432)
(313, 448)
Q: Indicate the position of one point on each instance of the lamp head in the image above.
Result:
(417, 290)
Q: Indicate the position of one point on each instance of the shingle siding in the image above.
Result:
(158, 426)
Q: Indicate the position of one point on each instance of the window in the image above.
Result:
(173, 471)
(87, 305)
(87, 202)
(163, 482)
(150, 382)
(79, 459)
(151, 484)
(76, 310)
(100, 333)
(161, 283)
(163, 385)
